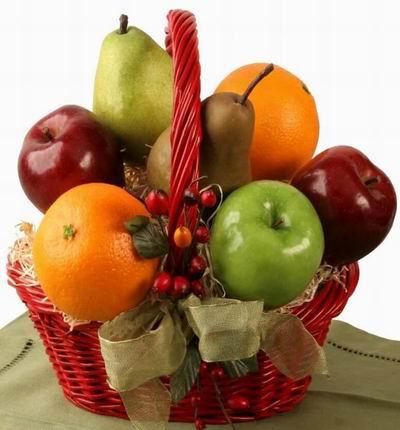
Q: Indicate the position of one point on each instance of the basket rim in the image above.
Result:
(36, 300)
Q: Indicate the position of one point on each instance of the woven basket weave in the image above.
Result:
(75, 355)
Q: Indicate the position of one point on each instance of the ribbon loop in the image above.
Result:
(138, 347)
(148, 406)
(289, 345)
(142, 344)
(227, 329)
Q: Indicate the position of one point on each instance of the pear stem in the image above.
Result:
(123, 24)
(268, 69)
(46, 131)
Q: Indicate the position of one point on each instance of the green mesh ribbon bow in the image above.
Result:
(145, 343)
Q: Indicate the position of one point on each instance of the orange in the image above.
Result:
(84, 258)
(286, 120)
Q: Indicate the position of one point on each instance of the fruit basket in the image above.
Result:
(216, 397)
(79, 366)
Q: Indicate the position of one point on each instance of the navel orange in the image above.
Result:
(84, 257)
(286, 120)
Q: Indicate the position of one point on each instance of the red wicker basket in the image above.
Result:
(75, 355)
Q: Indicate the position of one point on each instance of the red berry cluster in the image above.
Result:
(235, 404)
(207, 198)
(178, 287)
(157, 201)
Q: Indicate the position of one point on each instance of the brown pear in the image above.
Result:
(228, 125)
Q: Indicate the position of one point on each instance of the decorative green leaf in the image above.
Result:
(136, 223)
(251, 363)
(183, 379)
(238, 368)
(150, 242)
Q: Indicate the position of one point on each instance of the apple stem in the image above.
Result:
(46, 131)
(371, 181)
(265, 72)
(277, 223)
(123, 24)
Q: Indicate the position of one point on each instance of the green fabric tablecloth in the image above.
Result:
(362, 392)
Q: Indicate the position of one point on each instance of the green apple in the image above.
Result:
(266, 243)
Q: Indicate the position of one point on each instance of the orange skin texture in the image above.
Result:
(96, 274)
(286, 120)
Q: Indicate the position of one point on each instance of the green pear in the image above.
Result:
(133, 89)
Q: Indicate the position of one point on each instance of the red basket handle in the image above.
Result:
(182, 44)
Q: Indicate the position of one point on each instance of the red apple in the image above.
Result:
(67, 148)
(354, 199)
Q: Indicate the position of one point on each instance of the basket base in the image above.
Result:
(207, 420)
(271, 393)
(79, 366)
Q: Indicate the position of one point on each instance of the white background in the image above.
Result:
(346, 51)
